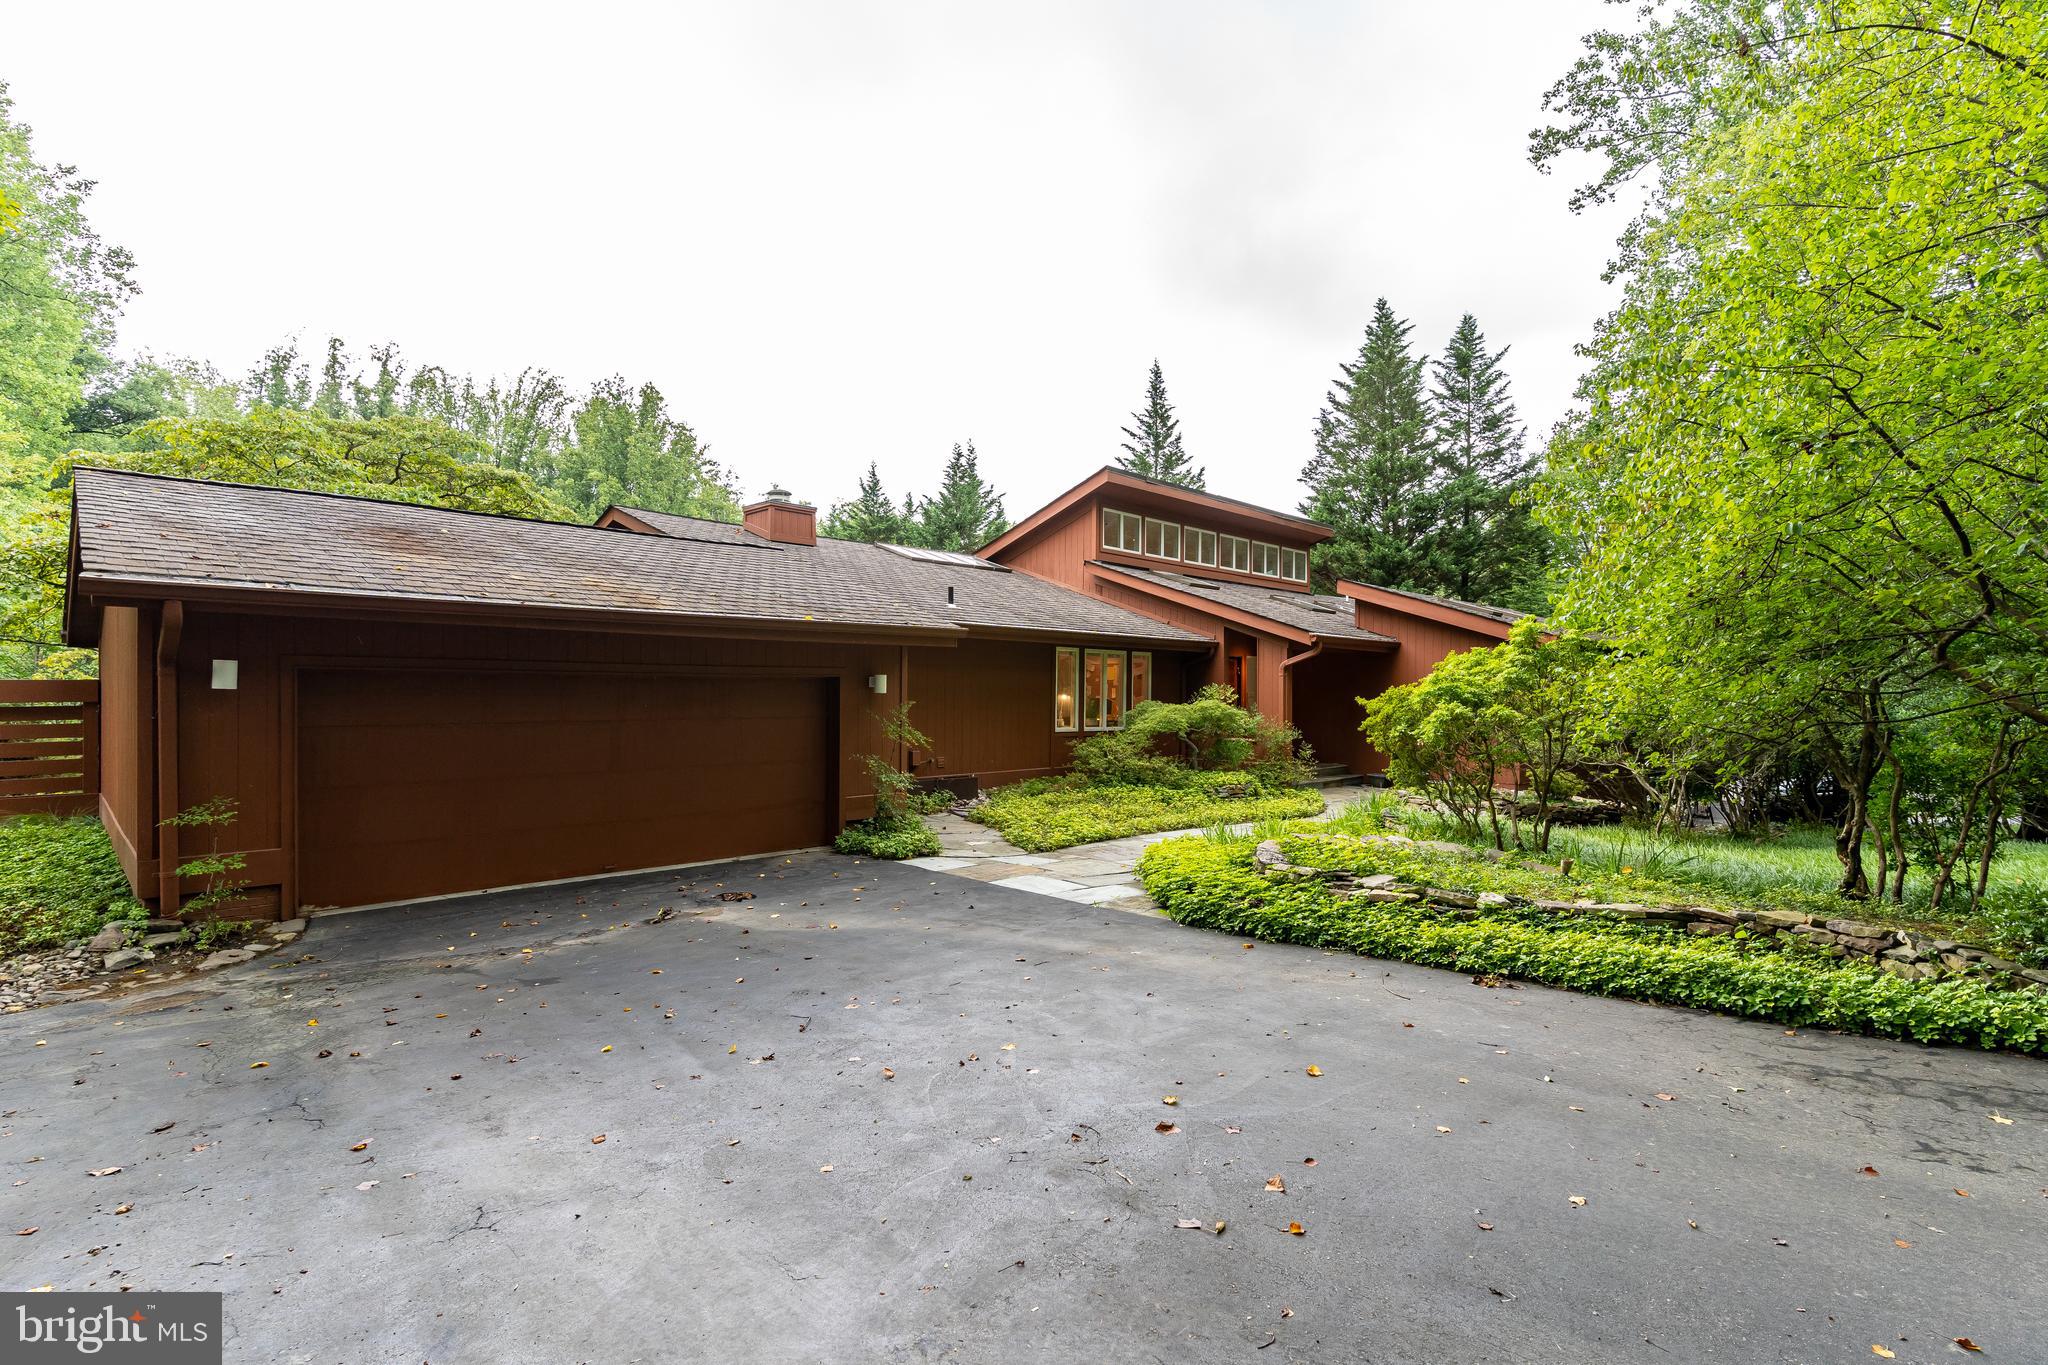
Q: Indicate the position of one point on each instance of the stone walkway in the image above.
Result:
(1093, 874)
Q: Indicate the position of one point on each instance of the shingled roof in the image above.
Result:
(155, 535)
(985, 595)
(1327, 618)
(1507, 616)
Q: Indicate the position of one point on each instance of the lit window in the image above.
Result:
(1294, 565)
(1141, 678)
(1162, 539)
(1123, 531)
(1066, 686)
(1200, 547)
(1236, 553)
(1266, 559)
(1102, 705)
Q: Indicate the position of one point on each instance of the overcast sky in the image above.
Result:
(834, 232)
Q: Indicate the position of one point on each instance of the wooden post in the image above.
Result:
(170, 628)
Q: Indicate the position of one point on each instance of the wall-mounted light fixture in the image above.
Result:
(226, 674)
(878, 683)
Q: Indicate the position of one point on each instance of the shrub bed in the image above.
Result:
(1058, 812)
(903, 836)
(1215, 885)
(59, 880)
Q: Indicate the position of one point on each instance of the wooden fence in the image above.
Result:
(49, 747)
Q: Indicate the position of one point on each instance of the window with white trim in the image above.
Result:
(1066, 689)
(1199, 547)
(1162, 539)
(1265, 559)
(1235, 553)
(1294, 565)
(1123, 531)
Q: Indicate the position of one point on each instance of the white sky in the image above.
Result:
(834, 232)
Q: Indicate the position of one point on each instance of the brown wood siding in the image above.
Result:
(419, 783)
(1423, 641)
(989, 708)
(1061, 549)
(1326, 710)
(127, 768)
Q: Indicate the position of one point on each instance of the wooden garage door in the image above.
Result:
(419, 783)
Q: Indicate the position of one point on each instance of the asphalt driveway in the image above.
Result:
(881, 1113)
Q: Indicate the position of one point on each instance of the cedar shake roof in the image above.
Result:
(1328, 618)
(161, 536)
(985, 595)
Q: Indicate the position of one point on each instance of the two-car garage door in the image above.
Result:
(417, 783)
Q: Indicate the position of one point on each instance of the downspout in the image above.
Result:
(1305, 655)
(169, 630)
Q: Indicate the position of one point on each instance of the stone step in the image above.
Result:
(1320, 779)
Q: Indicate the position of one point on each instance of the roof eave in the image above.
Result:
(106, 590)
(1440, 612)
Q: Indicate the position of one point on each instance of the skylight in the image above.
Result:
(942, 557)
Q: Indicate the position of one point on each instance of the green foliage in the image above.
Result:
(1057, 812)
(1214, 886)
(210, 934)
(967, 513)
(1162, 742)
(1152, 446)
(1509, 714)
(214, 869)
(871, 517)
(1809, 478)
(59, 880)
(627, 449)
(1369, 479)
(1486, 546)
(894, 831)
(903, 836)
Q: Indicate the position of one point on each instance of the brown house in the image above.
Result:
(1238, 575)
(404, 701)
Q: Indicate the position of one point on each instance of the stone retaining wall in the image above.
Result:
(1901, 952)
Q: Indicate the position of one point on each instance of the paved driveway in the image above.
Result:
(765, 1190)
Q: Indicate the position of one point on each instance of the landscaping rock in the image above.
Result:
(1851, 928)
(1710, 913)
(108, 939)
(1439, 895)
(294, 927)
(1489, 900)
(160, 924)
(164, 940)
(1384, 897)
(226, 957)
(1267, 854)
(1863, 947)
(1782, 919)
(1705, 926)
(126, 958)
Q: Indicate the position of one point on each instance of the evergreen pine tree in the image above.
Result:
(870, 515)
(1486, 547)
(1154, 448)
(967, 513)
(1369, 480)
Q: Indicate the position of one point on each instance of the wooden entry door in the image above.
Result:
(418, 783)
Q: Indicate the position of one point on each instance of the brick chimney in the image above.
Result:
(777, 518)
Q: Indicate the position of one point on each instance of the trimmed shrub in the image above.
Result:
(1163, 744)
(1057, 812)
(59, 880)
(1214, 885)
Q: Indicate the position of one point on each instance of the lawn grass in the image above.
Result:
(1794, 869)
(1058, 812)
(59, 880)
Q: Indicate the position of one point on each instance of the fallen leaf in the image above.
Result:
(1286, 1312)
(1009, 1047)
(26, 1232)
(1308, 1161)
(1870, 1170)
(1877, 1350)
(105, 1170)
(824, 1170)
(2000, 1118)
(1691, 1224)
(1188, 1223)
(258, 1066)
(315, 1023)
(368, 1185)
(888, 1074)
(1295, 1230)
(123, 1208)
(1576, 1109)
(1967, 1344)
(361, 1145)
(1964, 1193)
(1486, 1227)
(1232, 1128)
(1164, 1127)
(1169, 1099)
(599, 1138)
(1220, 1225)
(1314, 1070)
(1662, 1096)
(1780, 1242)
(1277, 1185)
(1463, 1081)
(606, 1048)
(165, 1127)
(1902, 1243)
(1441, 1129)
(1578, 1201)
